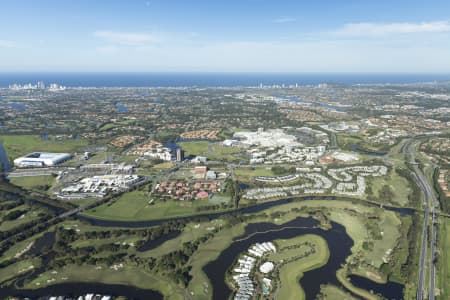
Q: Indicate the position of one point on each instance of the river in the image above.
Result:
(75, 289)
(4, 161)
(337, 239)
(360, 150)
(338, 242)
(71, 289)
(340, 107)
(245, 210)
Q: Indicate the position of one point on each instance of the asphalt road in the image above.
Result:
(433, 209)
(430, 206)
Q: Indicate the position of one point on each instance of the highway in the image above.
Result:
(430, 201)
(434, 206)
(430, 206)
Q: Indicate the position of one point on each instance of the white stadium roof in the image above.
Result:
(41, 159)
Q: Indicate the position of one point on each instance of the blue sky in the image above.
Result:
(231, 36)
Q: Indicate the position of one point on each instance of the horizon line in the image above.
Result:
(235, 72)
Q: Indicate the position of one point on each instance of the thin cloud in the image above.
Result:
(126, 38)
(387, 29)
(284, 20)
(107, 49)
(7, 44)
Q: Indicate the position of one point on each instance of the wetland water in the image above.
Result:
(5, 165)
(43, 243)
(360, 150)
(72, 289)
(121, 108)
(320, 104)
(338, 241)
(392, 289)
(78, 289)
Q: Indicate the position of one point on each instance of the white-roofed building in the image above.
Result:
(266, 267)
(42, 159)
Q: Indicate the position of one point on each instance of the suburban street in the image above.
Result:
(427, 268)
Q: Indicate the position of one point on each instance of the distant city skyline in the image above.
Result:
(225, 36)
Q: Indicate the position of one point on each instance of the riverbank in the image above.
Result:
(340, 213)
(211, 251)
(5, 165)
(81, 288)
(342, 277)
(134, 277)
(243, 210)
(290, 274)
(231, 230)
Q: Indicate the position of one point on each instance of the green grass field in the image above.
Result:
(191, 232)
(128, 275)
(164, 165)
(443, 278)
(33, 182)
(447, 258)
(109, 126)
(130, 240)
(331, 292)
(354, 225)
(18, 268)
(83, 201)
(81, 227)
(19, 247)
(291, 273)
(253, 172)
(213, 151)
(17, 145)
(133, 206)
(389, 226)
(219, 152)
(31, 214)
(356, 228)
(360, 292)
(126, 159)
(345, 141)
(194, 148)
(399, 185)
(210, 250)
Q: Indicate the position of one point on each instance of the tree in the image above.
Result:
(386, 193)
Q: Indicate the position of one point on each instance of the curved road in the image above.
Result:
(408, 150)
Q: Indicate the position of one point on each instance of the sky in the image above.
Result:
(361, 36)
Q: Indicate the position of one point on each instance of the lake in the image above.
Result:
(338, 242)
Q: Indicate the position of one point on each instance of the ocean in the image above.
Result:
(211, 79)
